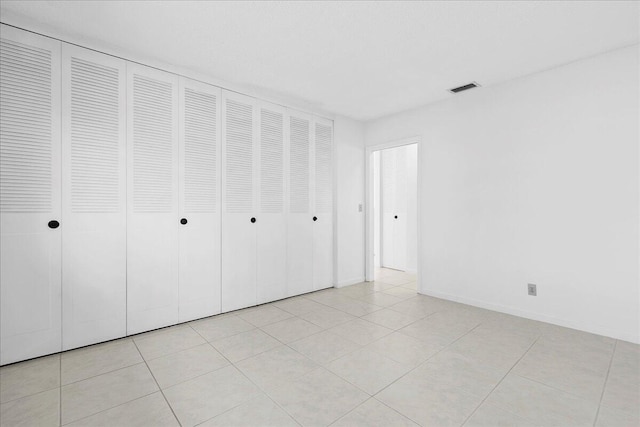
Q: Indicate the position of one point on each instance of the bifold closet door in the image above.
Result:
(271, 238)
(199, 230)
(323, 203)
(299, 215)
(152, 199)
(93, 197)
(239, 221)
(30, 200)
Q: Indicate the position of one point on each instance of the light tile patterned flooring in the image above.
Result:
(372, 354)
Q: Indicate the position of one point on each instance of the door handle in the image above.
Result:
(253, 220)
(183, 221)
(315, 218)
(53, 224)
(395, 217)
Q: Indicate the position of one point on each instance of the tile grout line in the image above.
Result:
(606, 379)
(249, 379)
(108, 409)
(158, 385)
(500, 382)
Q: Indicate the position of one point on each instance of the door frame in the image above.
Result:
(369, 213)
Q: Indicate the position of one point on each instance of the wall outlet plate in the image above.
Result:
(532, 289)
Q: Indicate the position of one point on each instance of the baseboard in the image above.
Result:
(348, 282)
(621, 335)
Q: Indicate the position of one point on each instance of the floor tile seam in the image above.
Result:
(159, 388)
(31, 395)
(265, 392)
(423, 362)
(606, 380)
(62, 386)
(556, 388)
(498, 384)
(108, 409)
(397, 412)
(227, 336)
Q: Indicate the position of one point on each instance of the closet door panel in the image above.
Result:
(323, 203)
(300, 217)
(30, 251)
(271, 239)
(199, 238)
(239, 178)
(93, 197)
(152, 193)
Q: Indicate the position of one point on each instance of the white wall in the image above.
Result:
(534, 181)
(349, 183)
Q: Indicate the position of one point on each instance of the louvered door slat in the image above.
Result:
(323, 168)
(271, 161)
(239, 157)
(25, 148)
(299, 165)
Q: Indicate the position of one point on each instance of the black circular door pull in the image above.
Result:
(183, 221)
(396, 217)
(253, 220)
(53, 224)
(315, 218)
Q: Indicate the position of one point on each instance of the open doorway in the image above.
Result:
(392, 211)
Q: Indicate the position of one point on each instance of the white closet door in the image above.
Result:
(93, 197)
(300, 217)
(30, 251)
(239, 218)
(388, 202)
(271, 226)
(323, 202)
(152, 199)
(199, 233)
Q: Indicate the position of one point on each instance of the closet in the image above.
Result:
(254, 242)
(132, 198)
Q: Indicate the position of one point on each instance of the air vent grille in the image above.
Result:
(464, 87)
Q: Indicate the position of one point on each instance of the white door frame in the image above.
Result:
(369, 267)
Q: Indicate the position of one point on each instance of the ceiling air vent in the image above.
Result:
(464, 87)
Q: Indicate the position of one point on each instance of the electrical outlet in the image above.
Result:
(532, 289)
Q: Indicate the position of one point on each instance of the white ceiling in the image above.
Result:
(359, 59)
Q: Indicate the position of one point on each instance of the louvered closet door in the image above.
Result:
(272, 225)
(199, 230)
(323, 204)
(152, 199)
(388, 166)
(93, 197)
(299, 213)
(30, 251)
(239, 118)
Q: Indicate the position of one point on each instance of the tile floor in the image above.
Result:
(371, 354)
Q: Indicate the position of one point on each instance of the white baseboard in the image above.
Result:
(617, 334)
(348, 282)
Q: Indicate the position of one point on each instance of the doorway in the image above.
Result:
(392, 210)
